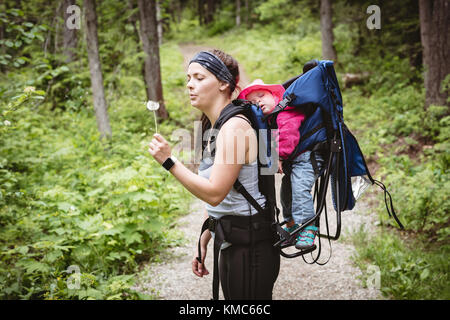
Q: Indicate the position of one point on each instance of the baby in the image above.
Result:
(299, 208)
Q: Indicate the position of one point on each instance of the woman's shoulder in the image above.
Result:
(237, 122)
(237, 127)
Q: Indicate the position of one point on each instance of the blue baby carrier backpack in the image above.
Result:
(317, 94)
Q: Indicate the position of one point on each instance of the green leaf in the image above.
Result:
(65, 206)
(133, 238)
(145, 196)
(95, 192)
(154, 226)
(34, 266)
(53, 256)
(424, 274)
(113, 256)
(60, 231)
(90, 294)
(22, 250)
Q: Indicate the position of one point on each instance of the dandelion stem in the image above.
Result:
(156, 124)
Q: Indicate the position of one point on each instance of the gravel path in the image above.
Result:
(173, 279)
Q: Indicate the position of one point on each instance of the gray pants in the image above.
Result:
(296, 198)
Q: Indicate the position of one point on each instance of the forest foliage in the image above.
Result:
(69, 199)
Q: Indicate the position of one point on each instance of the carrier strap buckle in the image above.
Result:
(281, 106)
(212, 224)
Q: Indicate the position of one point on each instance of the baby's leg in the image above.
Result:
(302, 181)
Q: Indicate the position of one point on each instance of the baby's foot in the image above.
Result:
(305, 239)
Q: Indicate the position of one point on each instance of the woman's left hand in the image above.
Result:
(159, 148)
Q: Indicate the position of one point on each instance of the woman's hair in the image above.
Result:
(233, 67)
(230, 63)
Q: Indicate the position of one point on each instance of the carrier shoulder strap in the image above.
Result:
(243, 118)
(280, 107)
(240, 109)
(237, 107)
(241, 189)
(231, 110)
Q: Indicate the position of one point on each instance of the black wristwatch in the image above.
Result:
(169, 163)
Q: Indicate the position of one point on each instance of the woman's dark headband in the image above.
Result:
(216, 66)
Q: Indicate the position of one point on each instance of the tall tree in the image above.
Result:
(210, 10)
(434, 32)
(152, 69)
(326, 28)
(238, 13)
(159, 22)
(247, 13)
(98, 92)
(201, 11)
(69, 34)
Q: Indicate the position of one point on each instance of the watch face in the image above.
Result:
(168, 164)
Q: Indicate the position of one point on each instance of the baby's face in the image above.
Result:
(264, 98)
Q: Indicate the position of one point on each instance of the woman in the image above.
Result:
(246, 271)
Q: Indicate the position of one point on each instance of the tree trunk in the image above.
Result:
(326, 28)
(98, 93)
(152, 71)
(210, 10)
(159, 23)
(69, 35)
(434, 25)
(178, 11)
(248, 10)
(238, 13)
(56, 47)
(201, 11)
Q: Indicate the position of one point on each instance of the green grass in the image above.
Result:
(408, 269)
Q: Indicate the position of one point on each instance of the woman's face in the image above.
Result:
(203, 86)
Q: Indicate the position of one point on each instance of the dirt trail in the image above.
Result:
(172, 279)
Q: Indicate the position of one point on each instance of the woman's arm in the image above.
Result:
(232, 151)
(199, 269)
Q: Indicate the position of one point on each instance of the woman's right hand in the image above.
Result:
(198, 268)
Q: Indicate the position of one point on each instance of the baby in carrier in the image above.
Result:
(296, 198)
